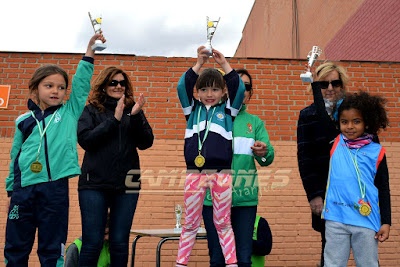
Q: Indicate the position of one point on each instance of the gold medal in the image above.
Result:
(365, 209)
(36, 167)
(199, 161)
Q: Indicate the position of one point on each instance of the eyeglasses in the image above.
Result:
(334, 83)
(248, 87)
(115, 83)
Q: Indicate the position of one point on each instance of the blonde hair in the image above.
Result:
(325, 69)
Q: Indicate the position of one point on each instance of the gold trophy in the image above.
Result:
(178, 216)
(96, 23)
(312, 57)
(211, 27)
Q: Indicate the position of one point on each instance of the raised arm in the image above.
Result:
(234, 84)
(188, 81)
(81, 81)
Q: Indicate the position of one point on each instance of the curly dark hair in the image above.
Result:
(372, 108)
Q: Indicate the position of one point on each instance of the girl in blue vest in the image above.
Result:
(357, 202)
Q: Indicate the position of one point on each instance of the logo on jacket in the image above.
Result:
(250, 127)
(57, 118)
(13, 215)
(220, 116)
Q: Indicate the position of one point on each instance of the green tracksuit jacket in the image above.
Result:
(247, 129)
(58, 152)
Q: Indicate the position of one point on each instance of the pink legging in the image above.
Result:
(221, 191)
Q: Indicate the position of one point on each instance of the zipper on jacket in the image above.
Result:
(87, 177)
(206, 117)
(46, 152)
(119, 136)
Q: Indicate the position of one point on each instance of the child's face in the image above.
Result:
(351, 123)
(210, 96)
(51, 91)
(114, 89)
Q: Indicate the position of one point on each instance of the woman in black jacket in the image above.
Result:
(315, 132)
(110, 130)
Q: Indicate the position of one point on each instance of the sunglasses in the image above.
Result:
(334, 83)
(115, 83)
(248, 87)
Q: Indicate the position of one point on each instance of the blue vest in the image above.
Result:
(342, 200)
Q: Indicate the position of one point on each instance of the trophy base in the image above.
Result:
(306, 77)
(99, 47)
(178, 230)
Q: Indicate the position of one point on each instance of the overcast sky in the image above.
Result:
(146, 27)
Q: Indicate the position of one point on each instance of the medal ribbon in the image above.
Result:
(207, 128)
(362, 189)
(42, 133)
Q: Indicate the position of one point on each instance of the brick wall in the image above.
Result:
(279, 96)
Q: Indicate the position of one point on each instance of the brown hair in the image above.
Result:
(210, 78)
(325, 69)
(98, 96)
(43, 72)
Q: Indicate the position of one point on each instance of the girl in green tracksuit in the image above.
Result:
(43, 157)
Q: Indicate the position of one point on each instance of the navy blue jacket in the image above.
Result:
(217, 148)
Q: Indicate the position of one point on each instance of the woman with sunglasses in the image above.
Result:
(110, 130)
(315, 131)
(250, 144)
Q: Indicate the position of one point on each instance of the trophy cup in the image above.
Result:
(211, 27)
(178, 216)
(312, 57)
(96, 23)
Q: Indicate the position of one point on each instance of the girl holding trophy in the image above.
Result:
(208, 149)
(43, 157)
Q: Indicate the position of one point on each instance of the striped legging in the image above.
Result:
(221, 191)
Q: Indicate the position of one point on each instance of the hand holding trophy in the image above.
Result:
(178, 216)
(96, 23)
(211, 27)
(312, 57)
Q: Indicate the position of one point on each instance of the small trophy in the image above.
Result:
(211, 27)
(96, 23)
(178, 216)
(312, 57)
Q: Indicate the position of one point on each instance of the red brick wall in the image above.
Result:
(279, 95)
